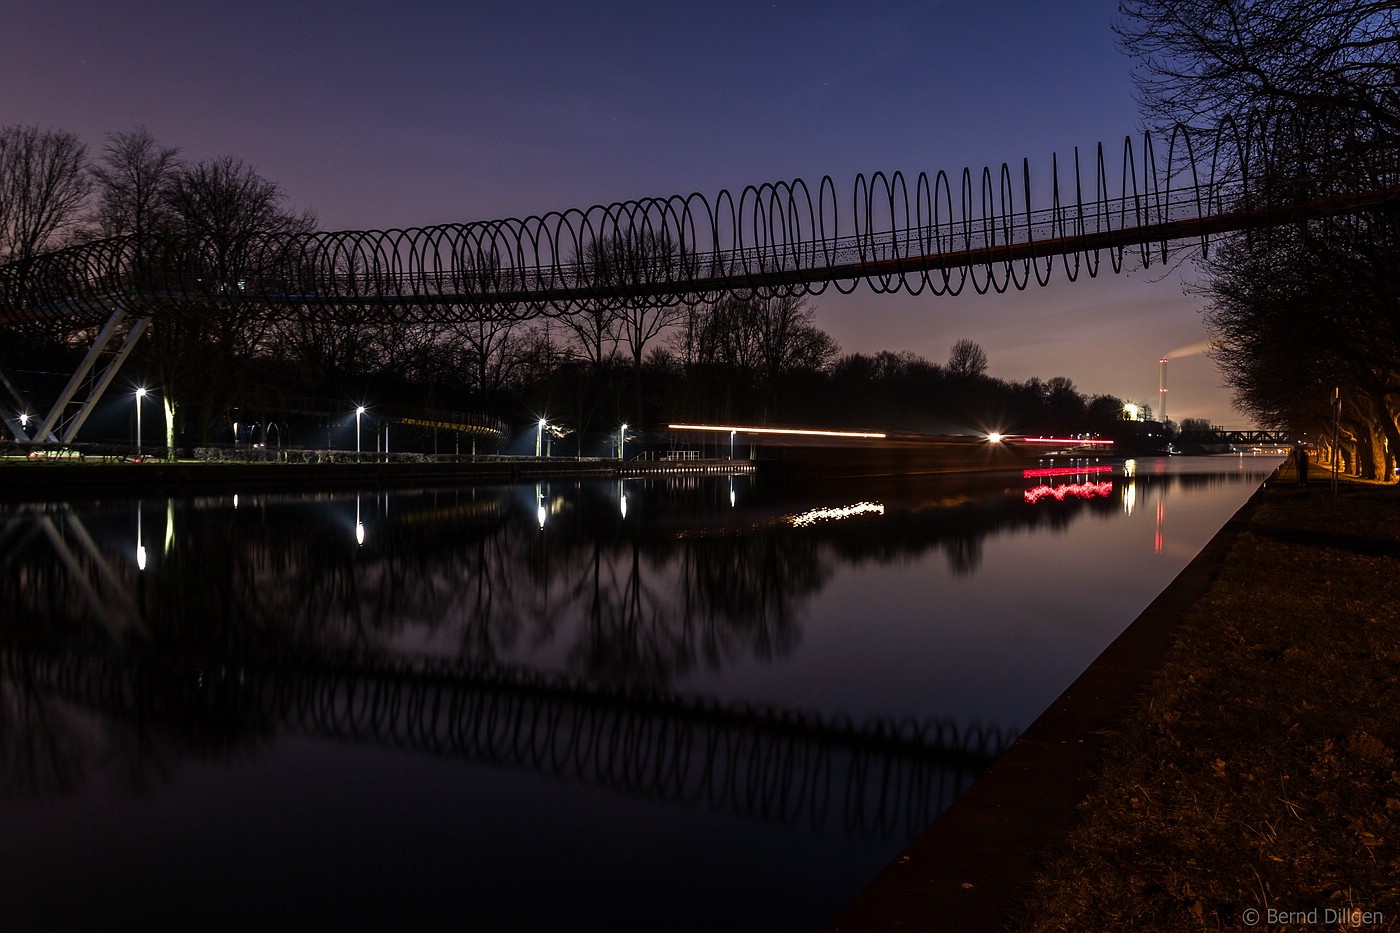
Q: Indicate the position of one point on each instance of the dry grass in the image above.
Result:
(1261, 769)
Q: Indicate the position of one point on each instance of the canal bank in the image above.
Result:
(43, 479)
(1232, 753)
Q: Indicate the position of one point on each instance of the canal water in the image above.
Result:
(688, 703)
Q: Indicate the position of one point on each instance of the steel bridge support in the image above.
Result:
(99, 367)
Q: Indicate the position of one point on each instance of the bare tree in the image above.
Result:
(44, 186)
(594, 327)
(788, 340)
(1296, 311)
(1293, 317)
(623, 261)
(967, 360)
(747, 350)
(227, 211)
(639, 259)
(1200, 61)
(492, 349)
(226, 221)
(133, 181)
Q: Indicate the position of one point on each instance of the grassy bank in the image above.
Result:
(1259, 779)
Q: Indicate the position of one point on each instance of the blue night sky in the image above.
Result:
(409, 114)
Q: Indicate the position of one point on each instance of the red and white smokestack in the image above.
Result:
(1162, 389)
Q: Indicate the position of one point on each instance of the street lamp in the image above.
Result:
(539, 437)
(140, 394)
(621, 441)
(731, 444)
(360, 410)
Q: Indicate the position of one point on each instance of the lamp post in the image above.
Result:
(731, 444)
(539, 437)
(140, 394)
(360, 410)
(621, 441)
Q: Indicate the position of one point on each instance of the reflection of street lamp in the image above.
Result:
(539, 437)
(140, 394)
(540, 513)
(140, 548)
(358, 412)
(359, 525)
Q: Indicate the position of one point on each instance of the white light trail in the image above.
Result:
(803, 432)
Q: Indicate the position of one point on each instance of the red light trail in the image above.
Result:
(1078, 490)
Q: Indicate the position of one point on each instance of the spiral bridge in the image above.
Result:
(991, 230)
(939, 233)
(760, 763)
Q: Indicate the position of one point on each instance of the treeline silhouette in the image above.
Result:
(588, 368)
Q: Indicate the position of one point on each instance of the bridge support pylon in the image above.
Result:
(89, 382)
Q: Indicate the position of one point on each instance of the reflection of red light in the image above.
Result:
(1078, 490)
(1161, 517)
(1065, 471)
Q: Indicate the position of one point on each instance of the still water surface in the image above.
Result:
(694, 703)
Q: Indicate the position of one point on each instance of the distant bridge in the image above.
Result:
(936, 233)
(1237, 438)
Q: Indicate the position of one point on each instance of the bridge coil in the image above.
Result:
(940, 233)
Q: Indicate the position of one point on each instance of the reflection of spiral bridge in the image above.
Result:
(940, 233)
(762, 763)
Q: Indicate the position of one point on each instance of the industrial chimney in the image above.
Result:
(1162, 389)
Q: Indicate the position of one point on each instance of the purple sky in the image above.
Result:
(414, 113)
